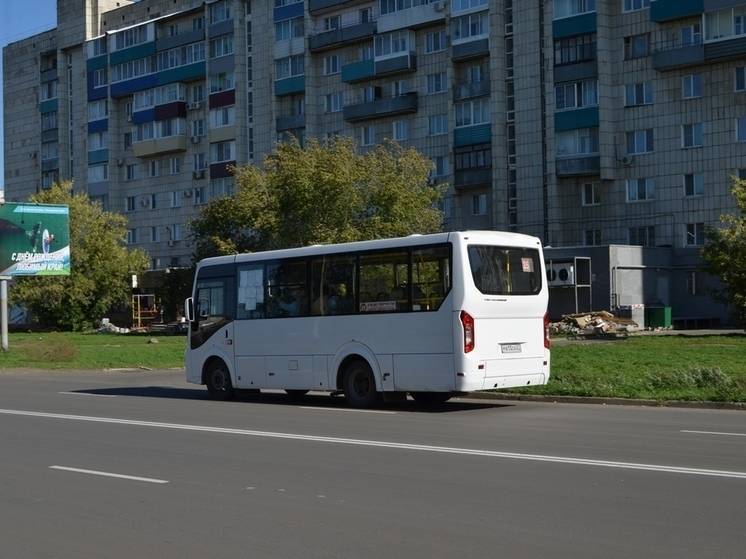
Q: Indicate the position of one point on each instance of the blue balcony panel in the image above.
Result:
(288, 86)
(681, 57)
(472, 135)
(574, 25)
(576, 119)
(187, 73)
(358, 71)
(96, 93)
(120, 89)
(578, 166)
(179, 40)
(97, 62)
(98, 156)
(140, 117)
(132, 53)
(470, 49)
(98, 125)
(220, 28)
(670, 10)
(48, 106)
(576, 72)
(288, 12)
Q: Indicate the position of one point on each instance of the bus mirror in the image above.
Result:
(189, 309)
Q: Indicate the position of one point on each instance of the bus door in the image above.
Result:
(212, 329)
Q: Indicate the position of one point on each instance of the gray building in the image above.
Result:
(585, 122)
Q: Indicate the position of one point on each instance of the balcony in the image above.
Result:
(48, 75)
(670, 10)
(580, 24)
(576, 119)
(472, 135)
(98, 156)
(578, 71)
(412, 18)
(673, 55)
(48, 106)
(578, 166)
(469, 179)
(288, 86)
(341, 36)
(290, 122)
(396, 65)
(319, 6)
(403, 104)
(358, 71)
(156, 146)
(470, 49)
(471, 89)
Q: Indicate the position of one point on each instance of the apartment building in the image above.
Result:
(585, 122)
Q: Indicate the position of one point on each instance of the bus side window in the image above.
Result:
(431, 278)
(384, 283)
(287, 294)
(250, 292)
(210, 300)
(333, 285)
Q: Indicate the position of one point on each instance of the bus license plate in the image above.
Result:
(510, 348)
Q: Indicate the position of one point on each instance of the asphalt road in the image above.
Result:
(266, 477)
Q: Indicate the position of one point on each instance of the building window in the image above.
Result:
(694, 185)
(391, 44)
(175, 199)
(332, 22)
(638, 94)
(575, 95)
(174, 165)
(639, 190)
(592, 237)
(221, 82)
(221, 187)
(642, 236)
(50, 150)
(636, 46)
(199, 196)
(741, 129)
(400, 130)
(632, 5)
(199, 161)
(479, 204)
(98, 140)
(181, 56)
(220, 11)
(289, 66)
(153, 201)
(132, 69)
(98, 173)
(331, 65)
(441, 168)
(223, 116)
(289, 29)
(691, 135)
(198, 93)
(176, 232)
(474, 111)
(98, 110)
(575, 49)
(691, 86)
(222, 151)
(577, 142)
(198, 127)
(129, 204)
(131, 37)
(131, 236)
(691, 34)
(221, 46)
(640, 141)
(435, 41)
(695, 234)
(333, 102)
(567, 8)
(367, 136)
(461, 5)
(591, 194)
(198, 23)
(438, 124)
(473, 159)
(100, 77)
(741, 78)
(49, 121)
(725, 24)
(692, 283)
(436, 83)
(470, 27)
(131, 172)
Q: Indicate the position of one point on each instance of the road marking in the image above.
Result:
(88, 394)
(108, 474)
(387, 444)
(714, 433)
(346, 409)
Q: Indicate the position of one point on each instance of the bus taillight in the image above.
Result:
(547, 341)
(468, 323)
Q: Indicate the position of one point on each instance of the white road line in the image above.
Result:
(386, 444)
(108, 474)
(88, 394)
(714, 433)
(346, 409)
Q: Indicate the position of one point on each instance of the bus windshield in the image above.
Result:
(505, 270)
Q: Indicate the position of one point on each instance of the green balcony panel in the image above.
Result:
(670, 10)
(185, 73)
(98, 156)
(132, 53)
(577, 119)
(288, 86)
(358, 71)
(48, 106)
(97, 63)
(574, 25)
(472, 135)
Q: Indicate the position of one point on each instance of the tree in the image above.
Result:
(725, 252)
(100, 266)
(322, 193)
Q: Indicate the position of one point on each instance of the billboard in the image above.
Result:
(34, 240)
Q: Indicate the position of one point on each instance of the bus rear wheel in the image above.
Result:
(218, 381)
(431, 398)
(360, 385)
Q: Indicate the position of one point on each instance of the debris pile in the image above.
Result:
(599, 324)
(108, 328)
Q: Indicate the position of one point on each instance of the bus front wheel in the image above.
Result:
(359, 385)
(218, 381)
(431, 398)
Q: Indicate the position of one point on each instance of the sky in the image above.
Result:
(19, 19)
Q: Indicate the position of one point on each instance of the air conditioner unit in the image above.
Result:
(196, 139)
(439, 6)
(187, 193)
(198, 174)
(626, 161)
(195, 105)
(561, 273)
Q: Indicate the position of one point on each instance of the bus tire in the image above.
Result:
(431, 399)
(218, 381)
(295, 394)
(360, 385)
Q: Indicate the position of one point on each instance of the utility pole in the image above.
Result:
(4, 312)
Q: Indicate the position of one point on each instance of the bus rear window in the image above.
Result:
(505, 270)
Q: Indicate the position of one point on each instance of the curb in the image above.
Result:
(741, 406)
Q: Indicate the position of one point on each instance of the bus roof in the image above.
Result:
(496, 237)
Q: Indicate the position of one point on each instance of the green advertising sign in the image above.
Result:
(34, 240)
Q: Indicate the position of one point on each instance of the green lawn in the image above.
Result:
(655, 367)
(92, 351)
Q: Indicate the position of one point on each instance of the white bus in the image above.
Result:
(429, 315)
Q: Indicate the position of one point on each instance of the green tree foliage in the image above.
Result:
(322, 193)
(100, 266)
(725, 252)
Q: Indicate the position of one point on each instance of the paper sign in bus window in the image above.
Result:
(527, 265)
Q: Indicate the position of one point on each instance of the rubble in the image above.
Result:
(108, 328)
(597, 324)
